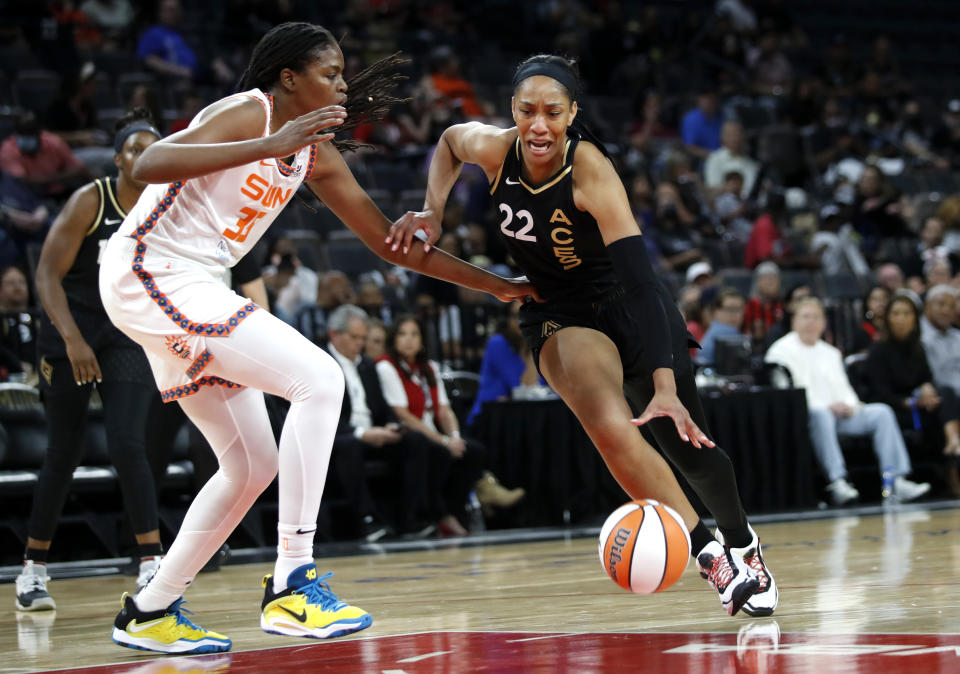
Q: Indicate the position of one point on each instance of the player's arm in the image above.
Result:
(470, 143)
(335, 185)
(599, 191)
(56, 257)
(231, 134)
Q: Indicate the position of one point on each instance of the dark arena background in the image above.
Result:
(769, 150)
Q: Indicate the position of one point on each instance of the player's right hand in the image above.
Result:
(401, 232)
(86, 369)
(305, 130)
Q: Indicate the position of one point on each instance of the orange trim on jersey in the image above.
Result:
(267, 110)
(178, 392)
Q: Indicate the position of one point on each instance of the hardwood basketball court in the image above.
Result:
(870, 590)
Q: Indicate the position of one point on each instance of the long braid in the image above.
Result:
(370, 93)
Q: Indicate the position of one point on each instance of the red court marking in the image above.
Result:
(551, 653)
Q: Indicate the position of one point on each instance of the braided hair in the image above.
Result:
(294, 45)
(134, 115)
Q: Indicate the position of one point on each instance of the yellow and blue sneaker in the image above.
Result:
(164, 631)
(308, 608)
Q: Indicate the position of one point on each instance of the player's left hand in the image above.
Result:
(669, 405)
(516, 289)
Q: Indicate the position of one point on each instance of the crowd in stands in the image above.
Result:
(769, 156)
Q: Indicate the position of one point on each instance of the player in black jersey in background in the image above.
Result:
(607, 326)
(80, 348)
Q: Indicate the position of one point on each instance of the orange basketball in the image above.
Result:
(644, 546)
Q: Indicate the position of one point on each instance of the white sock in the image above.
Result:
(294, 549)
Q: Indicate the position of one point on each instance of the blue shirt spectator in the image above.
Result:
(728, 308)
(701, 126)
(168, 45)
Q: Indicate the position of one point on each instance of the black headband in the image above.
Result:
(128, 131)
(552, 70)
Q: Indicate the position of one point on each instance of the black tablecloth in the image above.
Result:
(541, 446)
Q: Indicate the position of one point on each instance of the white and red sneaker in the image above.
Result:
(728, 574)
(765, 599)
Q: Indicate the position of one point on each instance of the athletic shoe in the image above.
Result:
(148, 569)
(907, 490)
(842, 492)
(168, 630)
(308, 608)
(32, 592)
(728, 575)
(765, 599)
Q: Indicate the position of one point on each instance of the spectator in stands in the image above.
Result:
(731, 207)
(370, 299)
(369, 428)
(931, 245)
(839, 69)
(412, 386)
(766, 240)
(673, 230)
(936, 271)
(376, 344)
(24, 218)
(890, 276)
(690, 303)
(731, 157)
(507, 364)
(946, 135)
(837, 245)
(18, 341)
(41, 159)
(700, 274)
(728, 309)
(145, 95)
(191, 103)
(112, 18)
(876, 209)
(300, 286)
(772, 72)
(835, 410)
(333, 289)
(790, 302)
(941, 340)
(73, 114)
(447, 82)
(163, 50)
(765, 307)
(649, 133)
(701, 126)
(899, 374)
(872, 327)
(915, 138)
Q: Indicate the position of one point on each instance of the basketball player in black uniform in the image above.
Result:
(80, 348)
(607, 326)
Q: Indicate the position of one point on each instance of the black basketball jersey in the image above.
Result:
(81, 283)
(556, 245)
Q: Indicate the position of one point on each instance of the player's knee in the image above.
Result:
(320, 379)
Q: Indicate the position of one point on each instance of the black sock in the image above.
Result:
(150, 549)
(737, 538)
(700, 537)
(36, 555)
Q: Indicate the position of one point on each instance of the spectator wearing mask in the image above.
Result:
(41, 159)
(729, 307)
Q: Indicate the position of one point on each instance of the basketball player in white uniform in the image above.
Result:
(215, 188)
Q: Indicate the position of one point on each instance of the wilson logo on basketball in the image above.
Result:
(620, 540)
(178, 346)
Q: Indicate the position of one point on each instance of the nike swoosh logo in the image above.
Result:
(302, 616)
(108, 222)
(132, 626)
(308, 531)
(511, 182)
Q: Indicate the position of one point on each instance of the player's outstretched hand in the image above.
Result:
(402, 231)
(667, 405)
(305, 130)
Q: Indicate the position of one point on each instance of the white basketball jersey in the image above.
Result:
(214, 220)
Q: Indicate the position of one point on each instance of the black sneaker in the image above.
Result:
(372, 529)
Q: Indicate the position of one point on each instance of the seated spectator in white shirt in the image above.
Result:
(836, 410)
(730, 158)
(940, 339)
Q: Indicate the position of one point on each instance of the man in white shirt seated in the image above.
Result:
(835, 408)
(940, 339)
(730, 158)
(369, 428)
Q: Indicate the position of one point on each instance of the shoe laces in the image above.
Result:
(755, 562)
(179, 612)
(319, 593)
(720, 573)
(36, 583)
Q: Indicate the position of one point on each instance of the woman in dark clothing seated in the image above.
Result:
(897, 373)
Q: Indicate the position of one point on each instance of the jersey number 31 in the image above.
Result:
(522, 234)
